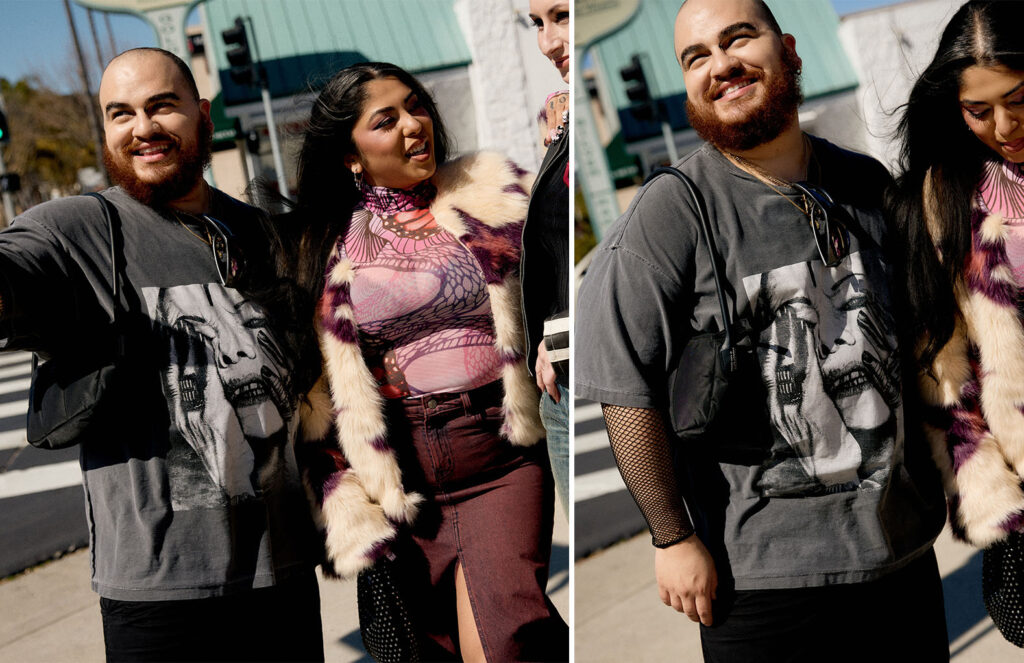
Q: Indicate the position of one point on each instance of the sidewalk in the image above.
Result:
(619, 616)
(50, 615)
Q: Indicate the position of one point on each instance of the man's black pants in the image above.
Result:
(280, 623)
(899, 617)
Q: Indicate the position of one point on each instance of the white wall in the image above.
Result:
(889, 47)
(508, 77)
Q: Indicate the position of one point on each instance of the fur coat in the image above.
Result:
(351, 469)
(976, 397)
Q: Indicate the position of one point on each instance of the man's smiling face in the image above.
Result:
(741, 75)
(156, 131)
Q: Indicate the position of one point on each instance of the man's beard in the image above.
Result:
(180, 178)
(762, 124)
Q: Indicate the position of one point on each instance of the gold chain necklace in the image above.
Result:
(205, 240)
(771, 181)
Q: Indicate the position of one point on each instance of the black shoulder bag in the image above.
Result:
(70, 394)
(717, 399)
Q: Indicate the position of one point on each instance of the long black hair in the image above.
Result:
(936, 142)
(326, 190)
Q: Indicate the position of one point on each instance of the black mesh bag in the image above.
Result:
(1002, 586)
(388, 633)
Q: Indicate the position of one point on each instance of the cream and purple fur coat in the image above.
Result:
(351, 469)
(976, 422)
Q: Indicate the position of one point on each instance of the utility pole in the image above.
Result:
(110, 34)
(248, 70)
(8, 201)
(94, 124)
(95, 40)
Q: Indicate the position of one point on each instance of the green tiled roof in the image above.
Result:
(814, 23)
(303, 42)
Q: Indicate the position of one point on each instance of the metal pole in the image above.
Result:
(268, 112)
(670, 142)
(94, 124)
(8, 199)
(110, 34)
(8, 202)
(96, 41)
(275, 149)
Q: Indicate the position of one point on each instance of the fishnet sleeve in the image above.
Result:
(640, 443)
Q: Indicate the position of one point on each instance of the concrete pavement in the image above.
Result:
(619, 616)
(49, 614)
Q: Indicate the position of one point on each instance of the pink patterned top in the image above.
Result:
(419, 297)
(1002, 192)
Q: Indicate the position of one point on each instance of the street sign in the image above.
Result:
(132, 6)
(594, 19)
(166, 16)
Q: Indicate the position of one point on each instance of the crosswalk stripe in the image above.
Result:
(13, 409)
(40, 479)
(14, 386)
(15, 371)
(596, 484)
(12, 439)
(588, 410)
(590, 442)
(9, 358)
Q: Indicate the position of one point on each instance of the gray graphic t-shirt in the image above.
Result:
(842, 493)
(192, 488)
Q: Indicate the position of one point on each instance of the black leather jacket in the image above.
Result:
(544, 269)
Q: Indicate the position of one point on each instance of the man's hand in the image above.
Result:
(545, 373)
(686, 578)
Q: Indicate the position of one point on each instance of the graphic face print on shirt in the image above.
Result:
(827, 349)
(225, 383)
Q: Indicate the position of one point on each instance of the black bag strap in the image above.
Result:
(114, 234)
(726, 355)
(116, 237)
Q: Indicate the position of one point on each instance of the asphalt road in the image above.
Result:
(605, 512)
(42, 512)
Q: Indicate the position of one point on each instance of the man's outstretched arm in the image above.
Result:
(683, 568)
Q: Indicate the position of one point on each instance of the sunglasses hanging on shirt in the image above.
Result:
(218, 237)
(831, 235)
(829, 223)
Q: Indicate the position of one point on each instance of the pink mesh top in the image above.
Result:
(1002, 192)
(418, 296)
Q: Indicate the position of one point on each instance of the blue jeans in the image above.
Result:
(555, 417)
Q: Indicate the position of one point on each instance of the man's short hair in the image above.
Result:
(768, 16)
(183, 68)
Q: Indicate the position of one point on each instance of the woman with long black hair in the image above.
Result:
(960, 202)
(431, 416)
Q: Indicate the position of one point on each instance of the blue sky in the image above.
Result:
(35, 39)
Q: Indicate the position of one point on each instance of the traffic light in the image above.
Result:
(252, 141)
(5, 133)
(243, 71)
(639, 92)
(10, 183)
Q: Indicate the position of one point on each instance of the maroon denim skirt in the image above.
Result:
(489, 508)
